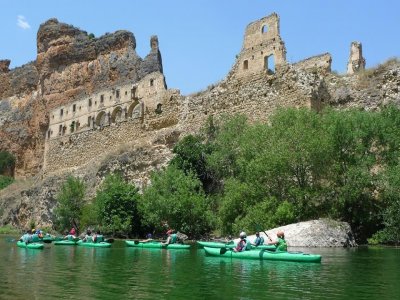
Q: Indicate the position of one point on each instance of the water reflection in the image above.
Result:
(131, 273)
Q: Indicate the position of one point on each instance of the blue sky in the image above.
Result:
(199, 39)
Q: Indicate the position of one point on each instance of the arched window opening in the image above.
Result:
(134, 110)
(151, 82)
(264, 29)
(101, 119)
(158, 109)
(245, 64)
(116, 115)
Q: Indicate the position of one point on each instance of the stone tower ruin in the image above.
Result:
(356, 60)
(263, 49)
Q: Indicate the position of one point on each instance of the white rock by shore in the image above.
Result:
(315, 233)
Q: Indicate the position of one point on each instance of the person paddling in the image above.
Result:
(280, 242)
(259, 240)
(172, 238)
(88, 236)
(243, 244)
(98, 237)
(27, 237)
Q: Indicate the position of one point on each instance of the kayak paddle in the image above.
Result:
(224, 250)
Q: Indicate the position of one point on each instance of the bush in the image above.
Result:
(70, 203)
(7, 163)
(5, 181)
(116, 205)
(178, 200)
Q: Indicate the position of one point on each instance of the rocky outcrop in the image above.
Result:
(70, 63)
(316, 233)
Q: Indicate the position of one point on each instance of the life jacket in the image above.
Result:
(35, 238)
(243, 245)
(98, 238)
(173, 238)
(282, 245)
(259, 241)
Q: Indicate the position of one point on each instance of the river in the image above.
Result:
(72, 272)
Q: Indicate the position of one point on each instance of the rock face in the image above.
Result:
(316, 233)
(70, 64)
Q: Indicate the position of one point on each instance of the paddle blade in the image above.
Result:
(47, 241)
(223, 251)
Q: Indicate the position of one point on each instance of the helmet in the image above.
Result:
(242, 234)
(280, 233)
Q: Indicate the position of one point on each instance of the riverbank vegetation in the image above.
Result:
(301, 165)
(7, 164)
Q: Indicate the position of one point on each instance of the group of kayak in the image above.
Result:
(35, 239)
(244, 248)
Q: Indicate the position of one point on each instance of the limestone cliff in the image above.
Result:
(70, 63)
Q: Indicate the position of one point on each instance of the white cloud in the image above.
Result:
(22, 22)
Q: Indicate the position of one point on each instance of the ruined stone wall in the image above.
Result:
(319, 63)
(256, 96)
(263, 48)
(356, 60)
(82, 148)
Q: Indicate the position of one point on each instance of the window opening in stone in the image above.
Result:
(48, 134)
(117, 94)
(269, 64)
(72, 126)
(101, 98)
(151, 82)
(90, 102)
(88, 121)
(158, 109)
(126, 93)
(245, 64)
(61, 112)
(74, 108)
(133, 93)
(264, 29)
(60, 128)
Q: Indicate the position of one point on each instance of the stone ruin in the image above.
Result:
(356, 60)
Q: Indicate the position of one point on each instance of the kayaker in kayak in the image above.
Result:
(98, 237)
(171, 239)
(27, 237)
(259, 240)
(72, 231)
(244, 244)
(68, 236)
(88, 236)
(280, 242)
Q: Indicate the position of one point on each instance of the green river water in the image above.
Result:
(72, 272)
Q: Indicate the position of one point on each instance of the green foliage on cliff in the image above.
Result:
(5, 181)
(176, 199)
(7, 161)
(116, 206)
(70, 203)
(301, 165)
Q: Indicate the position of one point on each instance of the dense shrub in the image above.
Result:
(116, 207)
(176, 199)
(70, 203)
(5, 181)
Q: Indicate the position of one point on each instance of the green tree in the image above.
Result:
(116, 204)
(70, 202)
(177, 199)
(7, 163)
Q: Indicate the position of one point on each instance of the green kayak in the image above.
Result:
(264, 254)
(232, 245)
(96, 245)
(155, 245)
(65, 243)
(30, 245)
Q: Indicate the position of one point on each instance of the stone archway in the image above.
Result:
(116, 115)
(101, 119)
(135, 110)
